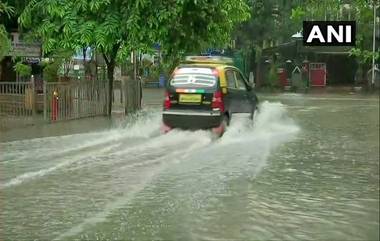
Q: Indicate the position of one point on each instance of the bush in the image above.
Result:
(23, 70)
(50, 71)
(5, 43)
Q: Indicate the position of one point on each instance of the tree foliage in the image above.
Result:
(270, 21)
(275, 21)
(5, 44)
(6, 11)
(364, 17)
(179, 25)
(116, 27)
(22, 69)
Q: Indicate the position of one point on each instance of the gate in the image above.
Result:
(317, 74)
(282, 77)
(74, 100)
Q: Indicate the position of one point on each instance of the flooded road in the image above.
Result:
(308, 169)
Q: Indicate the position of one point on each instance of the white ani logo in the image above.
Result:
(343, 35)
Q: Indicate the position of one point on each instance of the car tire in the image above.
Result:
(225, 123)
(219, 131)
(252, 113)
(226, 119)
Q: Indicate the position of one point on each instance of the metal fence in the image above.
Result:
(57, 101)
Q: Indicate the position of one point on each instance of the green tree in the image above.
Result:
(6, 11)
(22, 69)
(363, 49)
(116, 27)
(269, 22)
(268, 25)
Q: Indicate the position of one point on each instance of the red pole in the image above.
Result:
(54, 106)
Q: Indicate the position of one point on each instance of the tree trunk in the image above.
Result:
(86, 65)
(110, 71)
(111, 63)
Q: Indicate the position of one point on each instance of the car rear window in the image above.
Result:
(194, 77)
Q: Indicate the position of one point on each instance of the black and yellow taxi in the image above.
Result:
(204, 92)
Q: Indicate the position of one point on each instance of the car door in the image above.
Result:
(235, 98)
(251, 98)
(243, 91)
(230, 97)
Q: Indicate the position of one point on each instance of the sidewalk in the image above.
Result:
(13, 128)
(56, 129)
(11, 122)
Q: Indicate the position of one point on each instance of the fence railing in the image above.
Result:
(64, 101)
(117, 95)
(17, 98)
(57, 101)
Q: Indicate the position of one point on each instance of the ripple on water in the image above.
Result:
(262, 182)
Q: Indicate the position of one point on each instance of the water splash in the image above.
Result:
(134, 149)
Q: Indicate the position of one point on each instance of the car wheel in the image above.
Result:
(252, 113)
(219, 131)
(225, 123)
(226, 119)
(165, 128)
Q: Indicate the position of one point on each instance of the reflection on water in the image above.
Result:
(307, 169)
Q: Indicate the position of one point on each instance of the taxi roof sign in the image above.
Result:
(209, 59)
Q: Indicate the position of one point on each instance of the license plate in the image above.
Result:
(190, 98)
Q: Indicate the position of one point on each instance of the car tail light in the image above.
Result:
(167, 103)
(217, 101)
(215, 72)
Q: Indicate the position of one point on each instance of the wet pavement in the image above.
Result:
(308, 169)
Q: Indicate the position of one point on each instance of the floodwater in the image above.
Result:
(308, 169)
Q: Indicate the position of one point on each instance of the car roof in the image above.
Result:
(219, 62)
(209, 59)
(206, 65)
